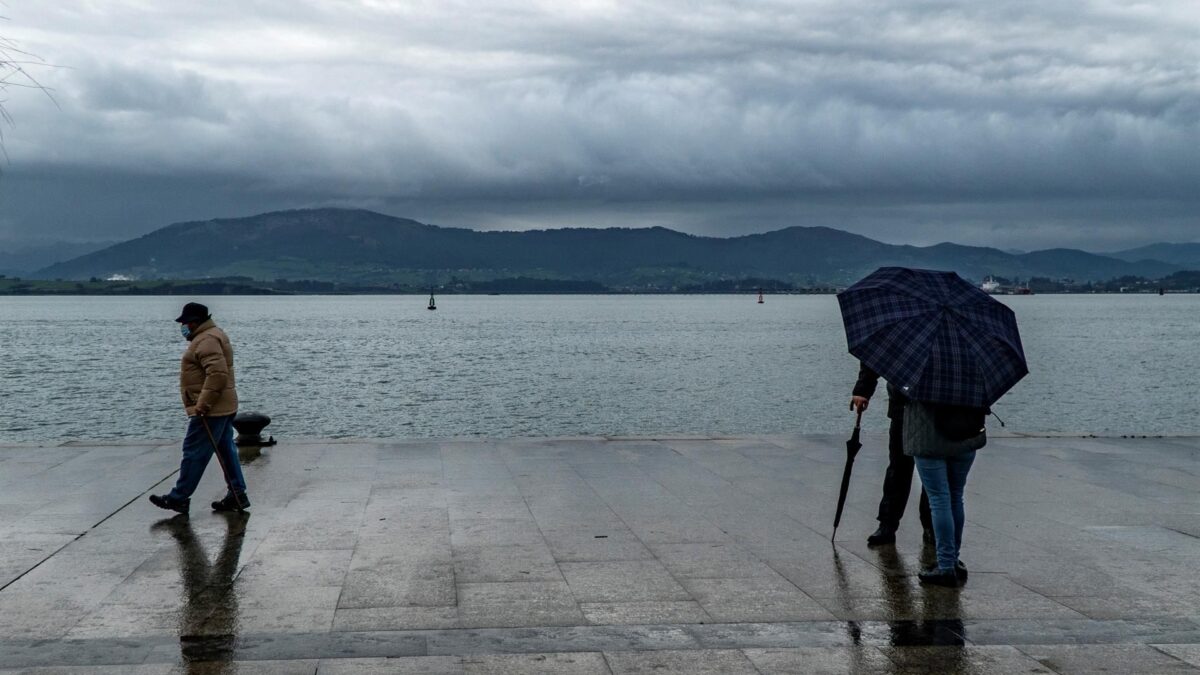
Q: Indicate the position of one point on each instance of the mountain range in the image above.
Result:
(19, 259)
(358, 246)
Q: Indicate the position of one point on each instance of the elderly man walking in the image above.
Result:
(206, 383)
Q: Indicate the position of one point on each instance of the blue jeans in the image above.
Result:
(198, 449)
(944, 480)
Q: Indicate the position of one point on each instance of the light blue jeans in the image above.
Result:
(944, 480)
(198, 450)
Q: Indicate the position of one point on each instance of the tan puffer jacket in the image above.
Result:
(206, 381)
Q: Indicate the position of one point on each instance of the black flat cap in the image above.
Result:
(193, 311)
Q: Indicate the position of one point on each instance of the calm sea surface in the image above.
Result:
(99, 367)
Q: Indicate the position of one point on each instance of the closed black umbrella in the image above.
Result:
(852, 447)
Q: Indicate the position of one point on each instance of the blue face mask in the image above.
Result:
(187, 332)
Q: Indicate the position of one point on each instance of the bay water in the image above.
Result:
(385, 366)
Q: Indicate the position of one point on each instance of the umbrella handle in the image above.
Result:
(858, 420)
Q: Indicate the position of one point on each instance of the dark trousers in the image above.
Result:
(198, 450)
(897, 482)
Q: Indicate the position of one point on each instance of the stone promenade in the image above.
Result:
(593, 555)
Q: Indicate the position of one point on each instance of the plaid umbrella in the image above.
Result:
(934, 335)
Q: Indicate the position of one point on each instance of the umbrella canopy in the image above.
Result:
(853, 445)
(934, 335)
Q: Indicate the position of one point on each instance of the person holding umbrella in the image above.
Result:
(206, 384)
(952, 351)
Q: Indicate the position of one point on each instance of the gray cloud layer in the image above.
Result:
(1009, 123)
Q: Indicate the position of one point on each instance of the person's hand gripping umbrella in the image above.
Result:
(852, 447)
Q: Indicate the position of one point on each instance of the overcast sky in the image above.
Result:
(1013, 124)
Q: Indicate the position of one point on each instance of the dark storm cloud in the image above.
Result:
(1009, 123)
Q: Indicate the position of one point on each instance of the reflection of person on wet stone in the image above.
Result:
(209, 393)
(897, 482)
(936, 622)
(208, 618)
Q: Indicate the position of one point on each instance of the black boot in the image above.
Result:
(960, 570)
(938, 577)
(165, 502)
(232, 503)
(886, 534)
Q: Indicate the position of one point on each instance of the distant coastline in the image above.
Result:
(357, 251)
(511, 286)
(16, 286)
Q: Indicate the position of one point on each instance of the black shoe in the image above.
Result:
(883, 536)
(231, 503)
(938, 577)
(165, 502)
(960, 570)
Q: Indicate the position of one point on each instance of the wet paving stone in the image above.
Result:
(594, 555)
(1187, 653)
(395, 618)
(1072, 659)
(622, 580)
(518, 603)
(696, 661)
(754, 599)
(573, 663)
(821, 660)
(643, 612)
(969, 659)
(412, 665)
(505, 563)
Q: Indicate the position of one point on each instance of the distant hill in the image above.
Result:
(357, 246)
(1184, 255)
(19, 259)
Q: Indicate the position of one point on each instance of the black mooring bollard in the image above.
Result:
(249, 426)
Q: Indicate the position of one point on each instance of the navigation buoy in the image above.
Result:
(760, 298)
(432, 304)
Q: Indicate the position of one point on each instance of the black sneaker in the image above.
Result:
(232, 503)
(883, 536)
(960, 570)
(176, 505)
(936, 576)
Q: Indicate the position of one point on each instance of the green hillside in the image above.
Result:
(356, 246)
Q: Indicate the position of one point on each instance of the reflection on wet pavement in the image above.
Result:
(594, 555)
(208, 623)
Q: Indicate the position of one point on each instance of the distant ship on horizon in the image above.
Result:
(993, 287)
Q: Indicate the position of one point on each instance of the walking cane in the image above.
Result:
(220, 460)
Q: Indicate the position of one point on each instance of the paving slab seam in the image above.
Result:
(450, 531)
(625, 522)
(134, 499)
(40, 562)
(89, 529)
